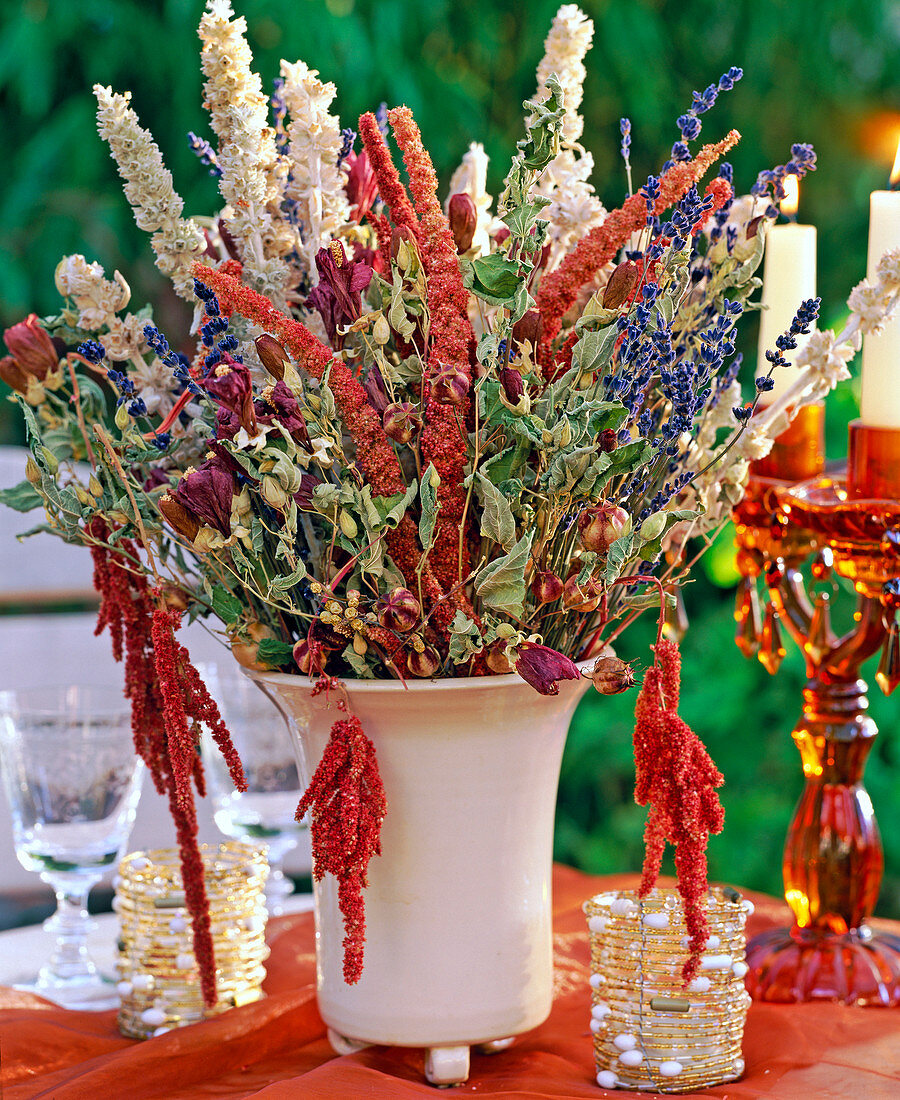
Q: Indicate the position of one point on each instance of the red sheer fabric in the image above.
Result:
(277, 1049)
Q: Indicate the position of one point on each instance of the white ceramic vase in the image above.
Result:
(458, 908)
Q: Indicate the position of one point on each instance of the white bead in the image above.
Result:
(748, 907)
(153, 1016)
(739, 969)
(184, 961)
(670, 1069)
(739, 1066)
(621, 907)
(600, 1010)
(116, 904)
(124, 988)
(597, 924)
(256, 923)
(631, 1058)
(700, 985)
(161, 1031)
(716, 962)
(116, 882)
(625, 1042)
(606, 1079)
(656, 920)
(177, 924)
(596, 1025)
(712, 943)
(595, 981)
(140, 863)
(142, 982)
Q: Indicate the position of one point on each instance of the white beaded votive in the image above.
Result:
(650, 1031)
(159, 983)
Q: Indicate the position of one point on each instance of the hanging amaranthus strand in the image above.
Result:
(676, 776)
(165, 690)
(345, 800)
(374, 452)
(559, 290)
(444, 436)
(390, 187)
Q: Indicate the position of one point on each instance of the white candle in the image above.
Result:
(789, 278)
(880, 404)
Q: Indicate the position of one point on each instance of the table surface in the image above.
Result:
(277, 1049)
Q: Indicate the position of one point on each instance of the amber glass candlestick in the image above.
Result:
(833, 858)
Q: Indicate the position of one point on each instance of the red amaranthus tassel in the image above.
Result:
(559, 289)
(166, 693)
(444, 436)
(345, 799)
(676, 776)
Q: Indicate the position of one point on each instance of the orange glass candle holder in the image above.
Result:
(873, 462)
(833, 858)
(799, 452)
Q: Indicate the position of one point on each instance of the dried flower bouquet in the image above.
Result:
(404, 437)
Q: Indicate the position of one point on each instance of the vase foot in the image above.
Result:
(341, 1044)
(447, 1066)
(795, 965)
(495, 1045)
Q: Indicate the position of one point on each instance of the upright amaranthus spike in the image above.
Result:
(390, 186)
(346, 803)
(559, 289)
(676, 776)
(444, 437)
(374, 453)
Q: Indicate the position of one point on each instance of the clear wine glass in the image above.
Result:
(264, 813)
(73, 781)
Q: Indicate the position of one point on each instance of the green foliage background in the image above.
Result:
(815, 70)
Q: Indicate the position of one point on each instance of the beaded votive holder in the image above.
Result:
(650, 1031)
(159, 983)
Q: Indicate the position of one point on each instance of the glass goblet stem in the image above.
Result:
(70, 962)
(278, 886)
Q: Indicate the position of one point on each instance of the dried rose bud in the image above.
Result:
(601, 524)
(450, 386)
(543, 667)
(530, 327)
(496, 660)
(424, 664)
(608, 440)
(182, 521)
(611, 676)
(13, 375)
(501, 236)
(31, 347)
(272, 355)
(403, 243)
(546, 587)
(582, 597)
(399, 611)
(512, 383)
(621, 285)
(402, 421)
(463, 216)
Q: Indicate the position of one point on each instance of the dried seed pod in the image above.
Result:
(530, 327)
(601, 524)
(496, 660)
(582, 597)
(608, 440)
(402, 421)
(424, 664)
(182, 521)
(546, 587)
(611, 676)
(399, 611)
(450, 386)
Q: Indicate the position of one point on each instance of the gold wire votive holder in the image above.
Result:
(159, 983)
(650, 1030)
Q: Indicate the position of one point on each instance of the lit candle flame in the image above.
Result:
(791, 200)
(895, 171)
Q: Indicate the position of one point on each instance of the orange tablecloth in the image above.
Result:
(277, 1049)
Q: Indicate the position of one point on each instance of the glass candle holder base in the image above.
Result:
(797, 965)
